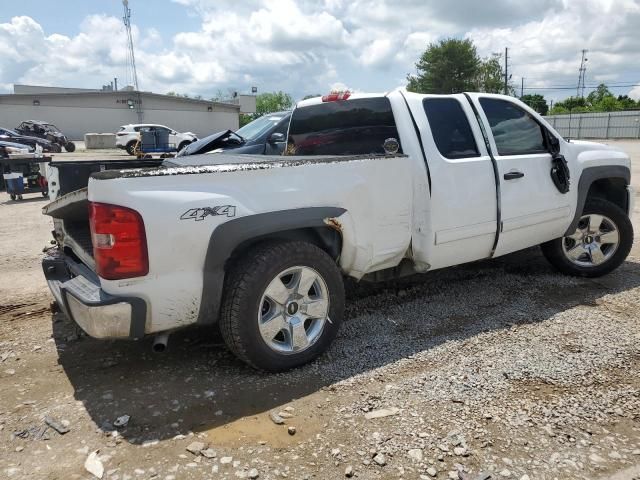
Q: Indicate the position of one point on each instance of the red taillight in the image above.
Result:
(119, 241)
(334, 97)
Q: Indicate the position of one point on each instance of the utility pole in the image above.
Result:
(506, 69)
(581, 74)
(522, 88)
(131, 59)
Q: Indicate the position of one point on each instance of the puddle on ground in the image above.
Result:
(254, 429)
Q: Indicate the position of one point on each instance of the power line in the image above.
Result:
(593, 87)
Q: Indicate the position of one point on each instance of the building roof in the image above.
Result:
(128, 93)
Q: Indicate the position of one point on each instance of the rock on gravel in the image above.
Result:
(93, 465)
(196, 447)
(253, 473)
(380, 459)
(383, 412)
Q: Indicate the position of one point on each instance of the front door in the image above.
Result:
(463, 190)
(532, 208)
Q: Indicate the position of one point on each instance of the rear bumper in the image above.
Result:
(77, 291)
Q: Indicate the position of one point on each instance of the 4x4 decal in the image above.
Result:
(199, 214)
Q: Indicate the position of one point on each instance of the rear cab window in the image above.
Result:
(450, 128)
(358, 126)
(515, 131)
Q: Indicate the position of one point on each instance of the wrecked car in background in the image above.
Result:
(48, 131)
(266, 135)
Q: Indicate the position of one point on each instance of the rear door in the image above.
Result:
(463, 186)
(532, 209)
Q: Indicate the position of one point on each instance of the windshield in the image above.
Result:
(52, 127)
(259, 126)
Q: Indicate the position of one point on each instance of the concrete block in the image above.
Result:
(99, 140)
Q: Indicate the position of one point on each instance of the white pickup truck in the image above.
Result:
(371, 187)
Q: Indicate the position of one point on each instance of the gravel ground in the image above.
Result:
(502, 367)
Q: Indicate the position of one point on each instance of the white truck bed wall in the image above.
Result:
(181, 212)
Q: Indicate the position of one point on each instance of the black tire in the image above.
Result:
(183, 144)
(131, 146)
(12, 196)
(70, 147)
(247, 282)
(554, 252)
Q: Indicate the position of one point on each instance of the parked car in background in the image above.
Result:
(128, 135)
(266, 135)
(48, 131)
(12, 148)
(8, 135)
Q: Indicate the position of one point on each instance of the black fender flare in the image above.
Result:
(226, 237)
(587, 177)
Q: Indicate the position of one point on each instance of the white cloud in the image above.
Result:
(306, 46)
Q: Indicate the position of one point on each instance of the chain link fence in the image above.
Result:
(597, 125)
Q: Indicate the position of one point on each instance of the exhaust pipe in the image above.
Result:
(160, 342)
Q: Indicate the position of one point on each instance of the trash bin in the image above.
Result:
(15, 184)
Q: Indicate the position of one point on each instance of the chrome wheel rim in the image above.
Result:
(593, 243)
(293, 310)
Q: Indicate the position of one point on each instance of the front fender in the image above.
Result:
(587, 177)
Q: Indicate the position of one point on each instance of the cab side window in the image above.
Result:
(450, 128)
(514, 130)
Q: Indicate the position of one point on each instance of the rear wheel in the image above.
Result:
(70, 147)
(282, 306)
(131, 146)
(600, 243)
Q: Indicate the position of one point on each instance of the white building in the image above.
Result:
(78, 111)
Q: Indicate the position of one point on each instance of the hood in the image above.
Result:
(206, 144)
(593, 145)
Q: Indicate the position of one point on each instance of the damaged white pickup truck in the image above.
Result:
(372, 186)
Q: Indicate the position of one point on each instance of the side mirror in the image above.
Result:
(554, 143)
(276, 138)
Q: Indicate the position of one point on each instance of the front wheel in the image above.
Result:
(600, 243)
(282, 305)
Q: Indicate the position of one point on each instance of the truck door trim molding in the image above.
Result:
(417, 130)
(587, 177)
(496, 175)
(226, 237)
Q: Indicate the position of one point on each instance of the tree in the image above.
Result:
(627, 102)
(537, 102)
(490, 78)
(268, 102)
(449, 66)
(571, 104)
(599, 94)
(272, 102)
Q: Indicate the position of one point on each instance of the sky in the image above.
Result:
(208, 47)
